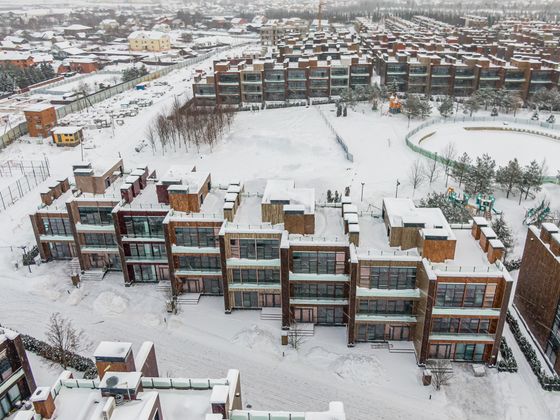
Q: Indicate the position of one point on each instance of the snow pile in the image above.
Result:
(110, 304)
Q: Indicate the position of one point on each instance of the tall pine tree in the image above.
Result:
(508, 176)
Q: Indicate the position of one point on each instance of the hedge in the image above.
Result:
(548, 382)
(507, 363)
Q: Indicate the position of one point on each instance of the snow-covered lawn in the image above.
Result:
(502, 146)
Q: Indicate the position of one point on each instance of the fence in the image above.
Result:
(32, 174)
(435, 121)
(339, 139)
(82, 103)
(49, 89)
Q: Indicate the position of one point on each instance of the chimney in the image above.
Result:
(354, 234)
(43, 402)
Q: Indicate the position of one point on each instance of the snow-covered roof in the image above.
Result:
(77, 27)
(153, 35)
(116, 349)
(38, 107)
(184, 176)
(70, 129)
(285, 192)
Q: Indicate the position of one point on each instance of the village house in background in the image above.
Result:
(149, 41)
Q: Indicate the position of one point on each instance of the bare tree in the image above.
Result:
(151, 135)
(416, 175)
(442, 372)
(295, 336)
(64, 338)
(430, 169)
(448, 154)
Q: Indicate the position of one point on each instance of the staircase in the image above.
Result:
(274, 314)
(75, 266)
(188, 299)
(165, 287)
(92, 275)
(401, 347)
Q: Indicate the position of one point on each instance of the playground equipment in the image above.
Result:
(455, 198)
(551, 119)
(485, 205)
(394, 105)
(535, 116)
(494, 112)
(538, 214)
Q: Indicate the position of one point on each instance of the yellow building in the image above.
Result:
(67, 136)
(149, 41)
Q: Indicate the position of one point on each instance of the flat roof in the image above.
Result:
(38, 107)
(279, 190)
(117, 349)
(66, 130)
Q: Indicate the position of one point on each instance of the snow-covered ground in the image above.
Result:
(502, 146)
(92, 81)
(202, 340)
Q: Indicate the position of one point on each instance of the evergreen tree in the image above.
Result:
(533, 175)
(47, 71)
(412, 106)
(425, 108)
(479, 178)
(503, 232)
(461, 167)
(507, 176)
(472, 104)
(329, 196)
(446, 107)
(453, 213)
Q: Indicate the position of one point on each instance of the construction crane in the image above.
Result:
(320, 15)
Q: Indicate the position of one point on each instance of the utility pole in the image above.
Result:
(397, 189)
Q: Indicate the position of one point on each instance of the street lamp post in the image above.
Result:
(362, 195)
(397, 189)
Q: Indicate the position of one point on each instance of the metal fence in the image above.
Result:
(32, 173)
(82, 103)
(339, 139)
(435, 121)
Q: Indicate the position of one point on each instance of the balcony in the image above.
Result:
(246, 262)
(386, 318)
(80, 228)
(228, 83)
(205, 95)
(515, 79)
(253, 286)
(418, 74)
(468, 312)
(391, 73)
(99, 249)
(323, 301)
(183, 272)
(56, 238)
(388, 293)
(319, 277)
(489, 77)
(148, 259)
(194, 250)
(458, 337)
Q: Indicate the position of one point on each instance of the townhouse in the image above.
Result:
(16, 378)
(317, 65)
(537, 296)
(129, 386)
(153, 41)
(404, 275)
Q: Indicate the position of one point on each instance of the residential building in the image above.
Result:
(67, 135)
(41, 119)
(18, 59)
(130, 387)
(537, 293)
(149, 41)
(407, 276)
(16, 379)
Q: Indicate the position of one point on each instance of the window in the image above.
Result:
(246, 299)
(318, 262)
(330, 315)
(390, 277)
(474, 295)
(371, 332)
(440, 351)
(197, 236)
(474, 352)
(255, 276)
(385, 307)
(144, 226)
(450, 294)
(96, 215)
(259, 249)
(148, 251)
(317, 291)
(145, 273)
(100, 240)
(461, 325)
(57, 226)
(60, 251)
(199, 262)
(5, 366)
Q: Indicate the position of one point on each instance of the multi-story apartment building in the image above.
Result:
(537, 293)
(409, 277)
(130, 387)
(16, 379)
(318, 65)
(149, 41)
(275, 29)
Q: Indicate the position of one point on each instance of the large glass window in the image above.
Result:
(199, 262)
(148, 251)
(246, 299)
(255, 276)
(101, 240)
(385, 307)
(57, 226)
(196, 236)
(391, 277)
(145, 273)
(474, 352)
(258, 249)
(465, 295)
(5, 366)
(320, 290)
(144, 226)
(450, 294)
(330, 315)
(96, 215)
(318, 262)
